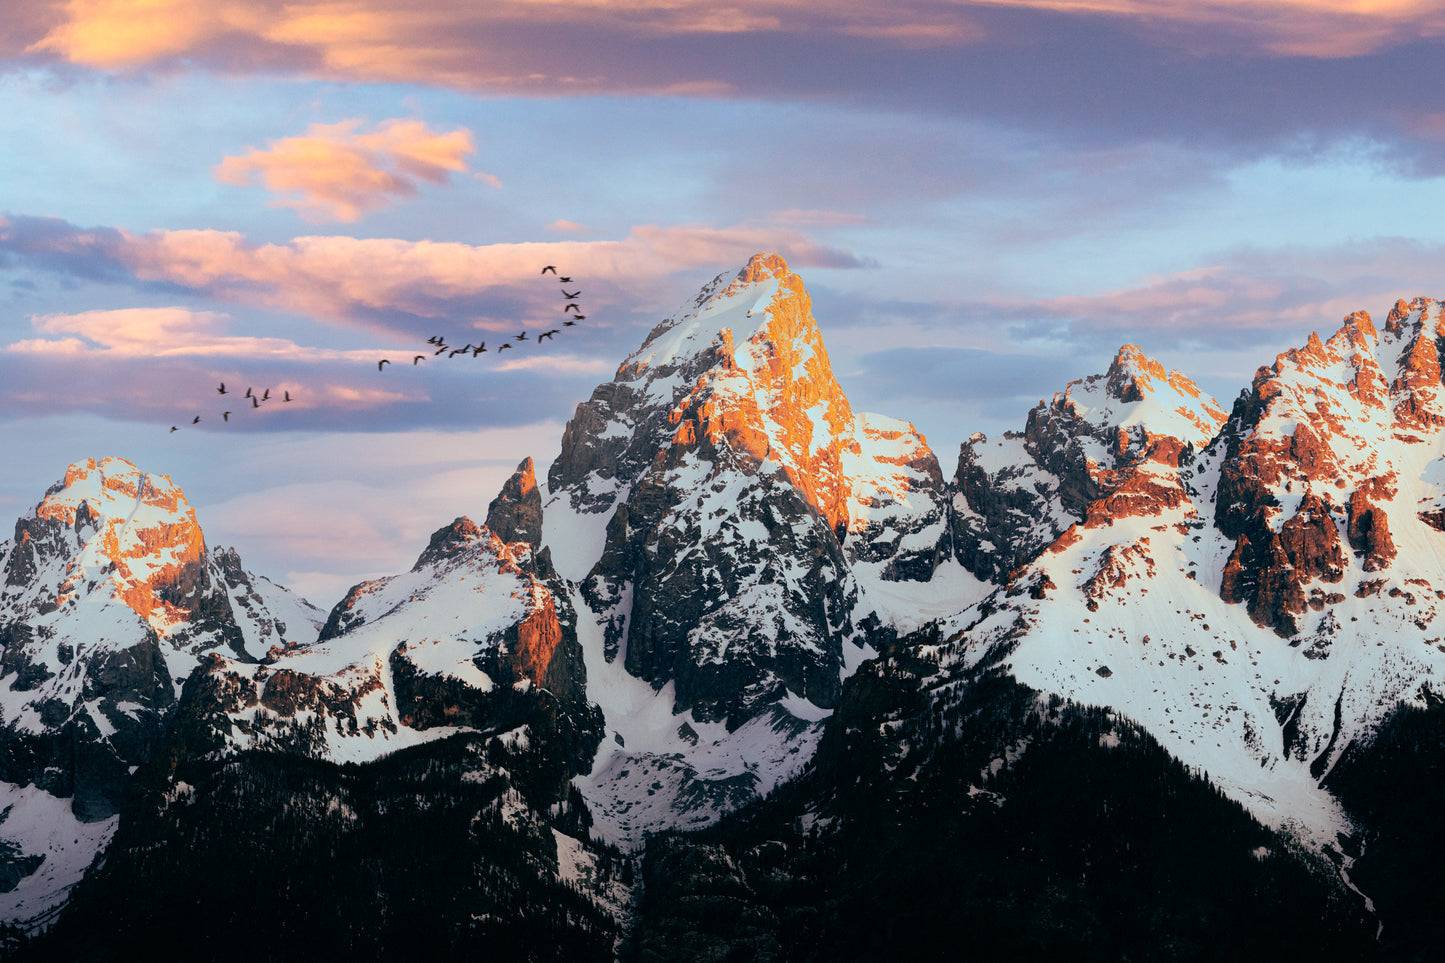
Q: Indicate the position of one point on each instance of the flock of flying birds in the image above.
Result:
(256, 400)
(439, 343)
(570, 308)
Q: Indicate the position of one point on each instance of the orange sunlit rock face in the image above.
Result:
(141, 523)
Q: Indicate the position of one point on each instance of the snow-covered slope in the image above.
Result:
(726, 513)
(477, 635)
(1259, 606)
(110, 601)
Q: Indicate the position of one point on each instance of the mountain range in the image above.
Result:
(747, 676)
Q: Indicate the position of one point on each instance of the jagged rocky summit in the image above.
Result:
(110, 601)
(730, 584)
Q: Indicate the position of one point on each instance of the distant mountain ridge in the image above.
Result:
(727, 568)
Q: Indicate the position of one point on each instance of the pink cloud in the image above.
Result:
(338, 172)
(168, 332)
(505, 44)
(348, 279)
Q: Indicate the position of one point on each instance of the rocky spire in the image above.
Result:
(515, 515)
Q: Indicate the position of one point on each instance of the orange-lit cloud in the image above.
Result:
(338, 172)
(345, 278)
(503, 44)
(166, 332)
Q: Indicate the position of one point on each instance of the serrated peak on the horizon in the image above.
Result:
(739, 302)
(1108, 445)
(106, 524)
(740, 374)
(1137, 392)
(111, 487)
(515, 515)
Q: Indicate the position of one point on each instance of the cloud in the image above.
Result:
(370, 279)
(167, 332)
(338, 172)
(1311, 28)
(1257, 73)
(562, 225)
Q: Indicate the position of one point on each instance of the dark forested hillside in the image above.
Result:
(432, 853)
(992, 823)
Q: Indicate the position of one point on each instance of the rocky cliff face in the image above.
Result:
(480, 634)
(110, 601)
(1106, 447)
(741, 487)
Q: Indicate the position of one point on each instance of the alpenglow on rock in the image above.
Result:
(110, 601)
(740, 488)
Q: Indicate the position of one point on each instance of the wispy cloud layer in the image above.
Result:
(487, 45)
(363, 279)
(338, 172)
(168, 332)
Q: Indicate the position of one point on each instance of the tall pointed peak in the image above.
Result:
(764, 266)
(1137, 391)
(515, 515)
(1132, 374)
(110, 488)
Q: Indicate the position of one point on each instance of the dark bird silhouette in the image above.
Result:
(248, 390)
(568, 324)
(418, 359)
(267, 395)
(288, 397)
(458, 351)
(196, 420)
(222, 389)
(479, 349)
(173, 427)
(504, 347)
(570, 306)
(547, 334)
(254, 402)
(565, 280)
(434, 339)
(522, 336)
(578, 317)
(439, 351)
(225, 416)
(378, 366)
(574, 294)
(550, 267)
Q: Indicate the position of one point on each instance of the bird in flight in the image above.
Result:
(196, 420)
(254, 402)
(248, 393)
(434, 339)
(479, 349)
(550, 267)
(267, 395)
(522, 336)
(383, 361)
(578, 317)
(574, 294)
(457, 351)
(173, 427)
(225, 416)
(546, 334)
(570, 306)
(222, 389)
(565, 280)
(439, 351)
(288, 397)
(418, 359)
(505, 346)
(568, 324)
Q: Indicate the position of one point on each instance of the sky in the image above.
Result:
(984, 199)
